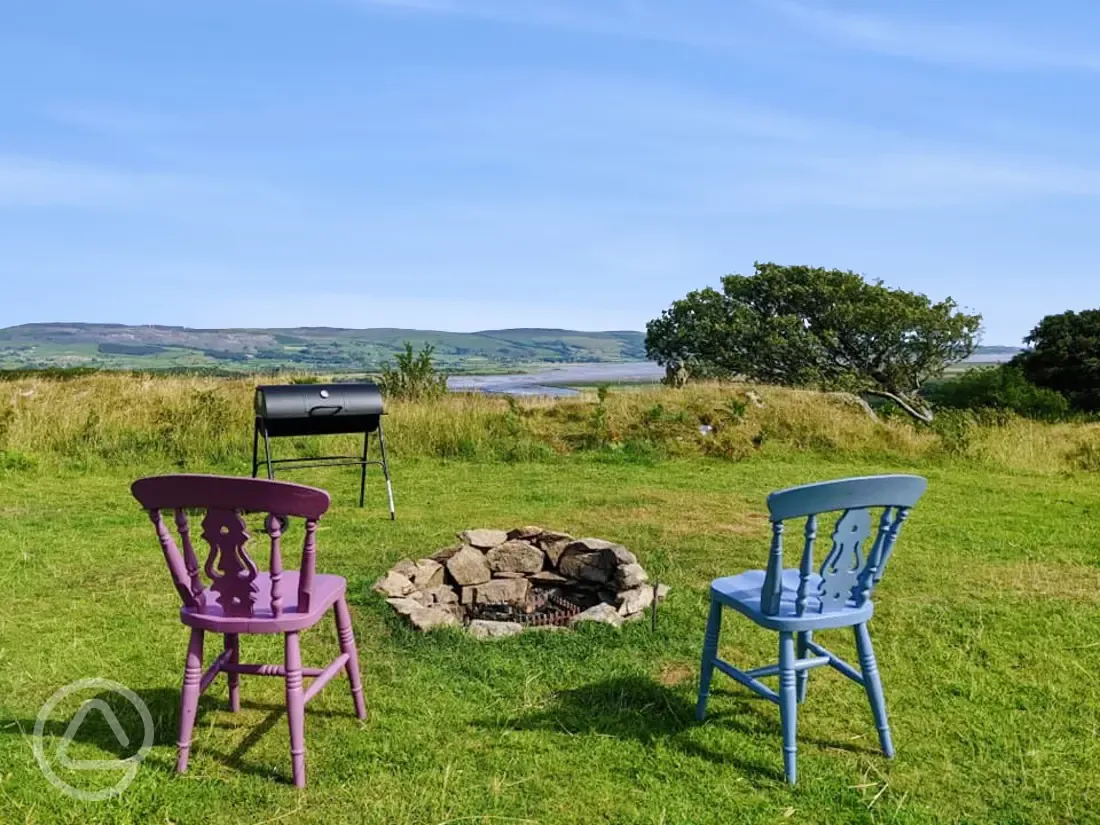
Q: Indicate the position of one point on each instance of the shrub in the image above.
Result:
(414, 376)
(1003, 387)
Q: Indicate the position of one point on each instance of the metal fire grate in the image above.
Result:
(554, 609)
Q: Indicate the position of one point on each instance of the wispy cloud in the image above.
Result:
(723, 25)
(116, 120)
(29, 182)
(708, 23)
(934, 42)
(38, 182)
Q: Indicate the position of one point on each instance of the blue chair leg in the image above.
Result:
(788, 705)
(801, 649)
(710, 652)
(873, 683)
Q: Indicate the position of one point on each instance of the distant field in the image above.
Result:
(112, 346)
(319, 349)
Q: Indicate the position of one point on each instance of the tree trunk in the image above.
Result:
(924, 414)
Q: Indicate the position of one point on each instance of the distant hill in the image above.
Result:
(119, 346)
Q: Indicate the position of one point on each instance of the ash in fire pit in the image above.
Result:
(498, 583)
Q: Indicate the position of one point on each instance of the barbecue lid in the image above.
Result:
(283, 401)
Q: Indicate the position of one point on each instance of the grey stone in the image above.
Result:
(553, 544)
(441, 595)
(394, 585)
(483, 539)
(468, 566)
(853, 400)
(550, 627)
(482, 629)
(445, 553)
(429, 618)
(635, 601)
(629, 576)
(587, 560)
(528, 533)
(428, 574)
(662, 592)
(603, 613)
(594, 544)
(498, 591)
(406, 567)
(548, 577)
(515, 557)
(507, 574)
(622, 555)
(404, 606)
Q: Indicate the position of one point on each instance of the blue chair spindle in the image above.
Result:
(797, 602)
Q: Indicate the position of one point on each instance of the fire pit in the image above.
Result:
(498, 583)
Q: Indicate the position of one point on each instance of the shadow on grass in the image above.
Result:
(641, 709)
(163, 705)
(632, 707)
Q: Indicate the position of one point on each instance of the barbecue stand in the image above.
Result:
(321, 409)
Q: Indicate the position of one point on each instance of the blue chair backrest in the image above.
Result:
(855, 564)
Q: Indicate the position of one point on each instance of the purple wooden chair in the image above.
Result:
(241, 599)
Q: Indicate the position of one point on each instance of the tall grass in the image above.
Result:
(202, 422)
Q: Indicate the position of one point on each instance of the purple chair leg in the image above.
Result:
(233, 644)
(296, 709)
(189, 698)
(347, 645)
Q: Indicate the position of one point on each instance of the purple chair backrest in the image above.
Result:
(225, 500)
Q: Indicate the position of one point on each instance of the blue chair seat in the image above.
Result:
(742, 593)
(838, 595)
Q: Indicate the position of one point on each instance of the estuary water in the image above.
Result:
(558, 380)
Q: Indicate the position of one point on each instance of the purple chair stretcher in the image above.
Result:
(243, 600)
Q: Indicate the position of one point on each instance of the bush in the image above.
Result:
(1065, 357)
(1003, 388)
(415, 376)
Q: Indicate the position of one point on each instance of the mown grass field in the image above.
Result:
(985, 630)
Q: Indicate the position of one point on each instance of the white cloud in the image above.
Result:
(714, 23)
(934, 42)
(36, 182)
(356, 310)
(724, 24)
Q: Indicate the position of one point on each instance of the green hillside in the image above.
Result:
(118, 346)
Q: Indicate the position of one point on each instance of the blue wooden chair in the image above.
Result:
(798, 602)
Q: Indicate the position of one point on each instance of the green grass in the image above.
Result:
(985, 632)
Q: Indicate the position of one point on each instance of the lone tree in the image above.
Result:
(1065, 357)
(807, 327)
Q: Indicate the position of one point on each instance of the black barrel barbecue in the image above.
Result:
(321, 409)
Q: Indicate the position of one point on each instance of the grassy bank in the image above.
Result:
(193, 423)
(985, 630)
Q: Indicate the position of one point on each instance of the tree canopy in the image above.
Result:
(1065, 357)
(812, 327)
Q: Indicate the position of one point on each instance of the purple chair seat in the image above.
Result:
(327, 590)
(243, 600)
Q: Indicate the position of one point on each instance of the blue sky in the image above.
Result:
(470, 164)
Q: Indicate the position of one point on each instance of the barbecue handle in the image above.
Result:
(334, 407)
